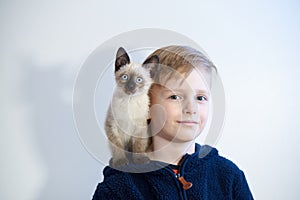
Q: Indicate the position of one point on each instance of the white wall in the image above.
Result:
(254, 44)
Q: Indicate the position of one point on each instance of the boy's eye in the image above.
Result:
(125, 77)
(139, 80)
(201, 98)
(175, 97)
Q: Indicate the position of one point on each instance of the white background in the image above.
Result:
(255, 45)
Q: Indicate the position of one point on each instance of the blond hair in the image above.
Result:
(180, 59)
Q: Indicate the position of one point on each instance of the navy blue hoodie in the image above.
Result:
(212, 177)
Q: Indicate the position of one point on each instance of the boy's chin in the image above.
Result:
(190, 130)
(186, 135)
(185, 138)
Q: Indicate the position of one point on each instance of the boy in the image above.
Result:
(179, 168)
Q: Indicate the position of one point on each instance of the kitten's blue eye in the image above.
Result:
(125, 77)
(201, 98)
(139, 80)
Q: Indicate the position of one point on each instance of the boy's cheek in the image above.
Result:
(158, 117)
(203, 119)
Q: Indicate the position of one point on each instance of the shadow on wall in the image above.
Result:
(72, 172)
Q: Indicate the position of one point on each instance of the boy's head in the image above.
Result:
(180, 94)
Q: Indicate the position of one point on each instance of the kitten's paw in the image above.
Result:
(119, 162)
(140, 158)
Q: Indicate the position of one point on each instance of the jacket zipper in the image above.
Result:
(185, 185)
(179, 187)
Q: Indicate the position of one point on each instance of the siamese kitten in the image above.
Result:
(126, 119)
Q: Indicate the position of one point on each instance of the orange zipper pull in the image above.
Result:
(186, 185)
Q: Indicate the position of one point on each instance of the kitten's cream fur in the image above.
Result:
(126, 120)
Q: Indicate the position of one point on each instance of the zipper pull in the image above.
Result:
(186, 185)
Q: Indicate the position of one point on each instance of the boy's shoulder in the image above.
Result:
(209, 156)
(116, 185)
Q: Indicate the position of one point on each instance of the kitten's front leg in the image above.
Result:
(118, 156)
(117, 147)
(139, 148)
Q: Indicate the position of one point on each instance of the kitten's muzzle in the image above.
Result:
(130, 86)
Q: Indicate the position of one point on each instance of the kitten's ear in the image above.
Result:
(122, 58)
(152, 64)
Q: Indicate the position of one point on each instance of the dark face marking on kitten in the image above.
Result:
(131, 85)
(122, 58)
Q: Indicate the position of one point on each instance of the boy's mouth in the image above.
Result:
(187, 122)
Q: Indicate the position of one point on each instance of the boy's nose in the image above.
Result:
(190, 108)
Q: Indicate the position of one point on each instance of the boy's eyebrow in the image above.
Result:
(203, 91)
(200, 91)
(166, 90)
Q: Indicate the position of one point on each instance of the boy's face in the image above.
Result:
(179, 110)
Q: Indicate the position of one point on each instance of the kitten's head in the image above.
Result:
(133, 78)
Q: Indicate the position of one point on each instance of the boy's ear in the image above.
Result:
(122, 58)
(152, 65)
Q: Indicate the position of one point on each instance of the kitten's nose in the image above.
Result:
(130, 86)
